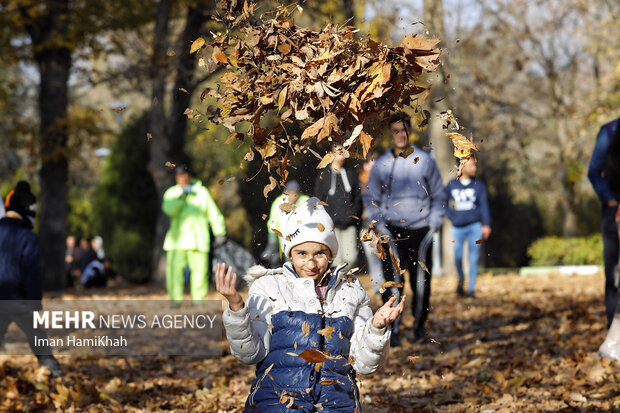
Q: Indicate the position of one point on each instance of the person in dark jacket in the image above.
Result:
(20, 272)
(97, 273)
(468, 209)
(406, 198)
(308, 326)
(604, 174)
(339, 188)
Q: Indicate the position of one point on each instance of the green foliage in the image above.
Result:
(126, 204)
(567, 251)
(80, 220)
(516, 223)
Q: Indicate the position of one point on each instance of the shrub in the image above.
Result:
(567, 251)
(126, 204)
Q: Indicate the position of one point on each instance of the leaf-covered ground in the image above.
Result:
(525, 344)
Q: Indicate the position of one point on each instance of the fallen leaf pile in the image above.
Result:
(325, 82)
(525, 344)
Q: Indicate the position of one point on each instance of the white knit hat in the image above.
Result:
(310, 222)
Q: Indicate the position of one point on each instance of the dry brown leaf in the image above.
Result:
(305, 328)
(462, 145)
(413, 359)
(287, 207)
(269, 187)
(313, 356)
(396, 262)
(284, 48)
(327, 160)
(419, 43)
(327, 332)
(191, 114)
(389, 284)
(366, 141)
(219, 56)
(196, 45)
(424, 267)
(231, 138)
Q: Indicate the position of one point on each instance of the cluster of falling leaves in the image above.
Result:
(328, 83)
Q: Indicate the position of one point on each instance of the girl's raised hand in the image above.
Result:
(386, 314)
(225, 283)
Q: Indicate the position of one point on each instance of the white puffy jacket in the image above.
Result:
(282, 317)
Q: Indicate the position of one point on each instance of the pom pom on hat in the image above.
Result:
(310, 222)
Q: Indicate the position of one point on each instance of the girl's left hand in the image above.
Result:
(387, 314)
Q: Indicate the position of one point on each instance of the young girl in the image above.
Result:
(305, 305)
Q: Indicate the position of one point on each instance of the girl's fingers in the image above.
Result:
(217, 276)
(229, 277)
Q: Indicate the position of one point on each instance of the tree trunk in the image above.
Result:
(170, 129)
(569, 210)
(159, 145)
(196, 16)
(349, 12)
(441, 145)
(570, 197)
(54, 63)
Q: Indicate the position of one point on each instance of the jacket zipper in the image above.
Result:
(321, 339)
(388, 190)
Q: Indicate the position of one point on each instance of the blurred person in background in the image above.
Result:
(406, 197)
(193, 213)
(468, 209)
(338, 187)
(375, 267)
(20, 272)
(604, 174)
(277, 221)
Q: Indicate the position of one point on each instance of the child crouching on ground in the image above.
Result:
(305, 305)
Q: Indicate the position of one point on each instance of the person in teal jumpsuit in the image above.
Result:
(192, 212)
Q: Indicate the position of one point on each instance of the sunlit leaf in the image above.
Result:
(196, 45)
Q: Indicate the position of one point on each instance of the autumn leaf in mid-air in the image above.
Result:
(462, 145)
(287, 207)
(196, 45)
(389, 284)
(327, 332)
(313, 356)
(269, 187)
(424, 267)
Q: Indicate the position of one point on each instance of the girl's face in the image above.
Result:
(311, 260)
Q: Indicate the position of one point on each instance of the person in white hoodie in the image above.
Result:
(308, 327)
